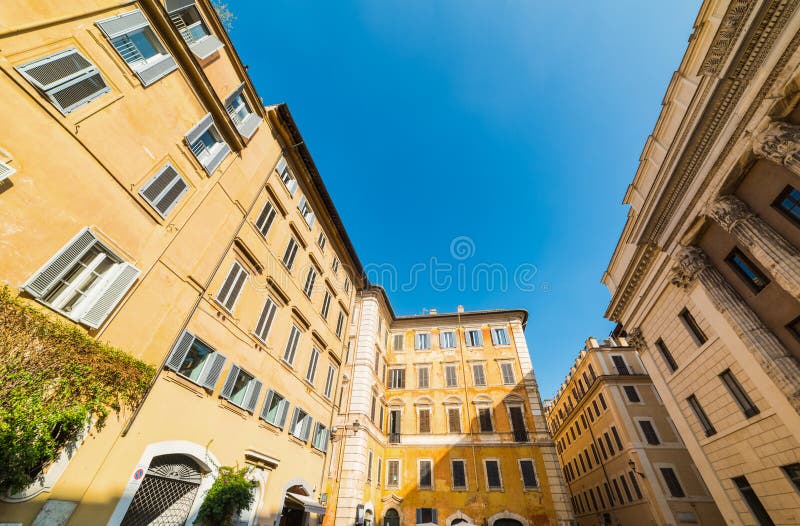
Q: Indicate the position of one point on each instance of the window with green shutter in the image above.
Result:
(275, 409)
(196, 361)
(241, 389)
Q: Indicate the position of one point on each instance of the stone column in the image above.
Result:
(694, 266)
(780, 143)
(770, 249)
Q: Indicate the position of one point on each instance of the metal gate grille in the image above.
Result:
(166, 494)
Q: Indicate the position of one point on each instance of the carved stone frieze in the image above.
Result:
(779, 143)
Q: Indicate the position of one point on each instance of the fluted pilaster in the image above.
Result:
(770, 249)
(780, 143)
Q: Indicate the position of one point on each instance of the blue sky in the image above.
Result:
(512, 126)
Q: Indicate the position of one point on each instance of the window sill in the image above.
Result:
(298, 441)
(233, 408)
(269, 426)
(182, 381)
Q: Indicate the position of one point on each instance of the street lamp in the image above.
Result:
(632, 465)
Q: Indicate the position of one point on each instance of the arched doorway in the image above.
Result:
(391, 518)
(507, 522)
(166, 494)
(293, 510)
(460, 521)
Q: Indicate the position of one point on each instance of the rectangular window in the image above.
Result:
(373, 406)
(458, 468)
(626, 488)
(747, 270)
(632, 393)
(311, 277)
(454, 420)
(616, 437)
(423, 377)
(266, 218)
(369, 466)
(478, 374)
(187, 20)
(737, 391)
(275, 409)
(424, 420)
(265, 320)
(793, 473)
(347, 284)
(392, 473)
(286, 176)
(335, 265)
(422, 341)
(196, 361)
(321, 435)
(232, 286)
(753, 502)
(493, 478)
(450, 376)
(241, 389)
(473, 338)
(447, 340)
(609, 444)
(164, 190)
(339, 325)
(311, 373)
(671, 480)
(397, 342)
(322, 240)
(66, 78)
(485, 419)
(694, 329)
(326, 304)
(529, 480)
(290, 253)
(83, 281)
(427, 516)
(500, 337)
(649, 432)
(698, 411)
(426, 474)
(670, 361)
(240, 112)
(305, 210)
(207, 144)
(301, 424)
(602, 401)
(329, 381)
(291, 345)
(397, 378)
(507, 369)
(635, 485)
(788, 203)
(394, 426)
(620, 365)
(379, 465)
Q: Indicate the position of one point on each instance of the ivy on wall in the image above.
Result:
(54, 380)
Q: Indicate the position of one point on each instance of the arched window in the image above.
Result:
(391, 518)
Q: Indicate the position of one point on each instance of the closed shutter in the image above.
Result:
(454, 420)
(267, 403)
(232, 286)
(227, 389)
(157, 70)
(52, 271)
(116, 289)
(528, 474)
(266, 218)
(178, 353)
(212, 370)
(419, 515)
(425, 421)
(200, 128)
(164, 190)
(282, 412)
(495, 339)
(252, 395)
(478, 373)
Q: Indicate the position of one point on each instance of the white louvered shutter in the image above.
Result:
(212, 370)
(200, 128)
(252, 395)
(6, 171)
(111, 296)
(281, 165)
(164, 190)
(267, 402)
(230, 381)
(178, 353)
(295, 414)
(46, 276)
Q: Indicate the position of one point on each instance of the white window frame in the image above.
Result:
(340, 325)
(322, 241)
(447, 367)
(427, 369)
(470, 341)
(419, 474)
(495, 332)
(392, 378)
(453, 486)
(267, 316)
(313, 361)
(482, 365)
(209, 157)
(538, 485)
(311, 278)
(389, 483)
(289, 356)
(499, 474)
(419, 338)
(509, 363)
(401, 336)
(330, 381)
(452, 337)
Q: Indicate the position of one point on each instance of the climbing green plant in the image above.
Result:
(230, 493)
(54, 380)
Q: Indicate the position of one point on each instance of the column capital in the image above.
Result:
(691, 261)
(636, 339)
(729, 210)
(780, 143)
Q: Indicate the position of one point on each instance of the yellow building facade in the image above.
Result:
(622, 457)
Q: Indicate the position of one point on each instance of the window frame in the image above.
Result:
(651, 422)
(293, 354)
(777, 205)
(489, 487)
(738, 393)
(691, 325)
(702, 418)
(420, 486)
(742, 267)
(471, 341)
(453, 486)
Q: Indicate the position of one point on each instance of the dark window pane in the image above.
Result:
(697, 333)
(753, 501)
(747, 270)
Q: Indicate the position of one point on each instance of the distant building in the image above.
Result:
(621, 456)
(705, 278)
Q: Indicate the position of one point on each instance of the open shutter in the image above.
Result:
(281, 165)
(178, 353)
(326, 434)
(252, 397)
(294, 420)
(200, 128)
(230, 381)
(434, 516)
(46, 276)
(267, 403)
(213, 163)
(103, 306)
(282, 412)
(177, 5)
(154, 72)
(249, 125)
(307, 422)
(206, 46)
(419, 515)
(6, 171)
(494, 336)
(212, 370)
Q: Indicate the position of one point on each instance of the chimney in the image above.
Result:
(460, 308)
(433, 311)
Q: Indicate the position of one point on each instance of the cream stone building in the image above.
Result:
(440, 422)
(622, 457)
(705, 278)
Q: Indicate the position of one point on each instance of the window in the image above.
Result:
(424, 420)
(378, 478)
(347, 284)
(734, 387)
(335, 265)
(671, 480)
(507, 369)
(423, 377)
(753, 502)
(635, 485)
(290, 253)
(305, 210)
(321, 436)
(500, 336)
(426, 474)
(485, 419)
(66, 78)
(207, 144)
(369, 466)
(196, 361)
(301, 424)
(620, 365)
(397, 342)
(626, 488)
(662, 348)
(84, 280)
(329, 381)
(322, 240)
(788, 203)
(266, 218)
(608, 443)
(373, 406)
(649, 432)
(394, 426)
(275, 409)
(632, 394)
(473, 338)
(392, 473)
(427, 516)
(339, 325)
(691, 324)
(747, 270)
(493, 478)
(311, 373)
(454, 420)
(241, 389)
(422, 341)
(447, 340)
(238, 109)
(311, 277)
(265, 320)
(478, 374)
(326, 304)
(793, 472)
(397, 379)
(705, 423)
(286, 176)
(529, 480)
(291, 345)
(232, 286)
(164, 190)
(602, 401)
(616, 437)
(190, 25)
(450, 376)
